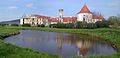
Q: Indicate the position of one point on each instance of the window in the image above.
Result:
(83, 19)
(33, 19)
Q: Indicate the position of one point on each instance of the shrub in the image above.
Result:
(53, 26)
(91, 26)
(3, 24)
(42, 25)
(70, 25)
(26, 25)
(79, 24)
(61, 25)
(14, 24)
(102, 24)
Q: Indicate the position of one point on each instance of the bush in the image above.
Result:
(14, 24)
(26, 25)
(53, 26)
(42, 25)
(82, 25)
(70, 25)
(79, 25)
(61, 25)
(3, 24)
(102, 24)
(91, 26)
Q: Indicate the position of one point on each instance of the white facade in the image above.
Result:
(87, 17)
(21, 21)
(34, 21)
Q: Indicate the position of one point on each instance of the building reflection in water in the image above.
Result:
(59, 41)
(82, 43)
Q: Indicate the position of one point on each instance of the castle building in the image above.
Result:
(84, 15)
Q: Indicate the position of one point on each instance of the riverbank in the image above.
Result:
(11, 51)
(108, 34)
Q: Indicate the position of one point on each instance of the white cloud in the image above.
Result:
(30, 5)
(12, 7)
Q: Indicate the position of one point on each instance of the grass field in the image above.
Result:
(112, 35)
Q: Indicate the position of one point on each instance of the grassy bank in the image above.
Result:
(107, 34)
(10, 51)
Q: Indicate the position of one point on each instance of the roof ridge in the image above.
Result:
(85, 9)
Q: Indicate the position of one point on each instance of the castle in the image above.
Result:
(84, 15)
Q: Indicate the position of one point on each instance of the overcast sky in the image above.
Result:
(14, 9)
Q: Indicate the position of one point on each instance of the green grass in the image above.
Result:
(11, 51)
(111, 35)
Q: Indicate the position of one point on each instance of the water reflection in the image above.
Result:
(63, 44)
(82, 44)
(85, 44)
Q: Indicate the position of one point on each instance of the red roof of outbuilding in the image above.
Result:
(54, 19)
(97, 17)
(101, 17)
(41, 16)
(85, 10)
(69, 19)
(65, 19)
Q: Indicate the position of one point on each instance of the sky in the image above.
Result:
(15, 9)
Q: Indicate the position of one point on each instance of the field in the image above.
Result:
(11, 51)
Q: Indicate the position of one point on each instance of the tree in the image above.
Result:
(61, 25)
(69, 25)
(91, 26)
(79, 24)
(102, 24)
(114, 21)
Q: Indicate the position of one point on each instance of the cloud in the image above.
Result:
(30, 5)
(12, 7)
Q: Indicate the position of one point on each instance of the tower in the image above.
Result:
(61, 15)
(84, 15)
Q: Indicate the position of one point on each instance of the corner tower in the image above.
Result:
(84, 15)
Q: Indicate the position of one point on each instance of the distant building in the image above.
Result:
(85, 15)
(35, 20)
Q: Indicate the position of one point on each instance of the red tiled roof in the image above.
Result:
(69, 19)
(41, 16)
(95, 17)
(98, 17)
(65, 19)
(101, 17)
(85, 10)
(54, 19)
